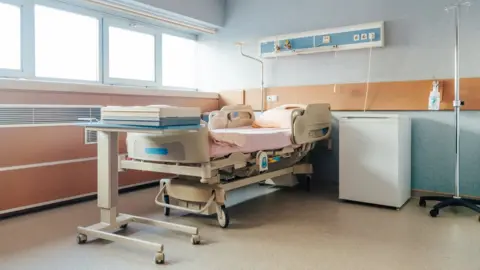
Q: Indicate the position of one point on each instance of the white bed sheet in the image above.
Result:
(248, 139)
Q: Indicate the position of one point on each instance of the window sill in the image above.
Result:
(38, 85)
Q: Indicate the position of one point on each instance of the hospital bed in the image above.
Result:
(206, 160)
(228, 153)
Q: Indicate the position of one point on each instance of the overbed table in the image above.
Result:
(111, 220)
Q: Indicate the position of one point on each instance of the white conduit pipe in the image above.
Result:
(368, 79)
(262, 90)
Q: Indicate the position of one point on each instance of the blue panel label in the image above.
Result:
(156, 151)
(264, 162)
(267, 47)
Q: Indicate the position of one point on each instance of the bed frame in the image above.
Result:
(202, 181)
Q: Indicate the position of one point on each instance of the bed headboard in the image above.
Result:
(231, 116)
(314, 123)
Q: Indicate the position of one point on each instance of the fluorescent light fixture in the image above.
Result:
(151, 16)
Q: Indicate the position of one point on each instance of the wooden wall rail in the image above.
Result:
(24, 186)
(382, 96)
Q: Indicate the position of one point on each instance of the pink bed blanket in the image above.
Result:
(247, 140)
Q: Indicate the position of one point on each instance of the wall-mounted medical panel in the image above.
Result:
(361, 36)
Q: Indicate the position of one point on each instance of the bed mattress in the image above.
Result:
(248, 139)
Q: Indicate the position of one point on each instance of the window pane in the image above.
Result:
(66, 45)
(131, 55)
(178, 61)
(10, 40)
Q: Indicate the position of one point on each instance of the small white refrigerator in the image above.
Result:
(375, 159)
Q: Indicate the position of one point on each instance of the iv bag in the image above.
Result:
(434, 98)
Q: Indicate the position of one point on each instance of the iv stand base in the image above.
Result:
(446, 201)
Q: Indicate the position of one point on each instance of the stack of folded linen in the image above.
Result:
(151, 116)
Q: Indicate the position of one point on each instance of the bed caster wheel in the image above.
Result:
(195, 240)
(434, 212)
(160, 258)
(124, 226)
(166, 210)
(478, 218)
(422, 203)
(81, 239)
(222, 216)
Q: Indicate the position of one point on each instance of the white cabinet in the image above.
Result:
(375, 159)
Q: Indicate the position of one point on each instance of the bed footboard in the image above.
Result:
(180, 146)
(314, 123)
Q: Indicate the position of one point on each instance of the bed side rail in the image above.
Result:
(231, 116)
(312, 124)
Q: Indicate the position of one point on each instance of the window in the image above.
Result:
(10, 37)
(62, 41)
(178, 61)
(131, 55)
(66, 45)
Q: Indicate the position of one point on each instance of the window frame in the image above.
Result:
(127, 25)
(24, 36)
(79, 11)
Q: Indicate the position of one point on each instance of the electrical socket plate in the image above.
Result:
(356, 37)
(364, 36)
(326, 39)
(371, 36)
(272, 98)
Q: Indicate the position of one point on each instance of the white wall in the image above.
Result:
(419, 42)
(419, 45)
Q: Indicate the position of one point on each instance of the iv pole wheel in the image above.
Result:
(434, 212)
(422, 203)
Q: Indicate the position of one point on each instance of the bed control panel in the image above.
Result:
(318, 133)
(262, 161)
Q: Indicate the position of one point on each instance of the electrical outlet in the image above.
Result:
(356, 37)
(272, 98)
(326, 39)
(364, 36)
(371, 36)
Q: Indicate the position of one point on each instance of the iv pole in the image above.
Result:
(457, 103)
(262, 90)
(455, 200)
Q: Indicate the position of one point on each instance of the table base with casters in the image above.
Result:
(111, 221)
